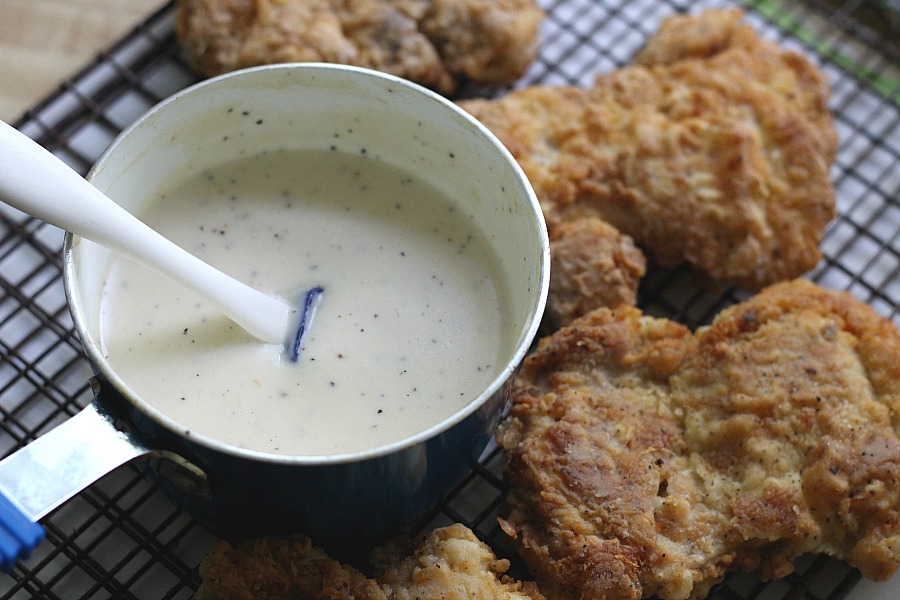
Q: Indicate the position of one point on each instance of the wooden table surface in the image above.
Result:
(44, 42)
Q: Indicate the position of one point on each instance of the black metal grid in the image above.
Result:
(122, 539)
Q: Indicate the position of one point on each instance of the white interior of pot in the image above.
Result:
(317, 107)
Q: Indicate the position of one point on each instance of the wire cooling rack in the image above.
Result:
(122, 539)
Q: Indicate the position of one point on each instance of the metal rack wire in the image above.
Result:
(122, 539)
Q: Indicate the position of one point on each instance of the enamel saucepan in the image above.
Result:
(239, 492)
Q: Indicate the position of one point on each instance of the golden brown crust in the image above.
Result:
(280, 568)
(449, 563)
(715, 151)
(592, 265)
(492, 42)
(598, 493)
(682, 37)
(792, 400)
(644, 460)
(432, 42)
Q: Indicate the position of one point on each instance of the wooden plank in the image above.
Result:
(43, 42)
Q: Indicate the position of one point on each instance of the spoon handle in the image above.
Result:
(38, 183)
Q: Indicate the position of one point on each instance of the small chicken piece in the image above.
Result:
(592, 265)
(280, 568)
(432, 42)
(645, 461)
(714, 150)
(450, 563)
(682, 37)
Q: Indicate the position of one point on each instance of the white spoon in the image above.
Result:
(36, 182)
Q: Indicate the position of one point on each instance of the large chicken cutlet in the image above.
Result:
(645, 460)
(713, 150)
(450, 563)
(432, 42)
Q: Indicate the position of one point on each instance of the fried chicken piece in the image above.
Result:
(647, 461)
(713, 151)
(432, 42)
(591, 265)
(793, 401)
(602, 502)
(681, 37)
(280, 568)
(450, 563)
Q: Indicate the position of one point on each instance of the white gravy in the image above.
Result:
(409, 329)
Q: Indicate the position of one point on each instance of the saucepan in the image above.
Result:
(239, 490)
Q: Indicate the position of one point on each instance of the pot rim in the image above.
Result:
(101, 364)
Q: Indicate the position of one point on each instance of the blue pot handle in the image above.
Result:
(19, 535)
(39, 477)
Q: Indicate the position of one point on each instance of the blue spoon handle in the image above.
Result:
(18, 534)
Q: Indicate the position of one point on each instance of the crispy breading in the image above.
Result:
(713, 151)
(793, 401)
(601, 493)
(432, 42)
(681, 37)
(450, 563)
(644, 460)
(591, 265)
(280, 568)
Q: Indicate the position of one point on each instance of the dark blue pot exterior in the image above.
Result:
(249, 497)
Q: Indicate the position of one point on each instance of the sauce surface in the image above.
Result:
(409, 329)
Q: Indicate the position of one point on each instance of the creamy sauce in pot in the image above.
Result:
(409, 329)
